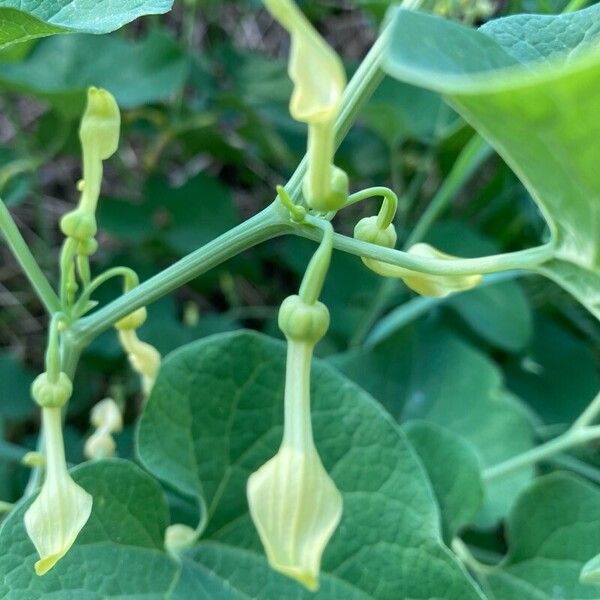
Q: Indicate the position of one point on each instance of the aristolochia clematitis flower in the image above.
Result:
(62, 508)
(106, 418)
(143, 358)
(294, 504)
(437, 286)
(319, 83)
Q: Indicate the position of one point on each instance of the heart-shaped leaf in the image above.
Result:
(429, 373)
(553, 530)
(215, 416)
(531, 86)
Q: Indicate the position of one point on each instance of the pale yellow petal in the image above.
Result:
(296, 508)
(100, 124)
(55, 519)
(437, 286)
(62, 508)
(316, 70)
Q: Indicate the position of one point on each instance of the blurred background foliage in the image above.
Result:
(206, 136)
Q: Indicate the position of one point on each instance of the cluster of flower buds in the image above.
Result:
(99, 136)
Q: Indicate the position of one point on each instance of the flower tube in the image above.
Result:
(293, 502)
(62, 507)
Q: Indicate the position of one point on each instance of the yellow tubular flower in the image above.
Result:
(62, 508)
(107, 419)
(316, 70)
(319, 83)
(144, 358)
(99, 135)
(436, 286)
(294, 504)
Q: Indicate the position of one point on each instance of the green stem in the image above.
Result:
(321, 146)
(589, 415)
(466, 557)
(569, 439)
(575, 5)
(316, 271)
(267, 224)
(130, 278)
(30, 267)
(388, 207)
(524, 259)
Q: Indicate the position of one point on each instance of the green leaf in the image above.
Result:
(391, 113)
(553, 530)
(215, 415)
(118, 554)
(530, 85)
(61, 69)
(454, 471)
(557, 375)
(212, 567)
(25, 21)
(499, 313)
(431, 374)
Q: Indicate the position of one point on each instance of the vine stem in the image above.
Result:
(589, 414)
(523, 259)
(466, 557)
(575, 436)
(30, 267)
(271, 222)
(267, 224)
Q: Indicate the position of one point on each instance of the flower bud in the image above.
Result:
(293, 502)
(80, 225)
(100, 125)
(367, 230)
(178, 537)
(107, 419)
(590, 574)
(336, 196)
(437, 286)
(144, 358)
(51, 394)
(316, 70)
(303, 322)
